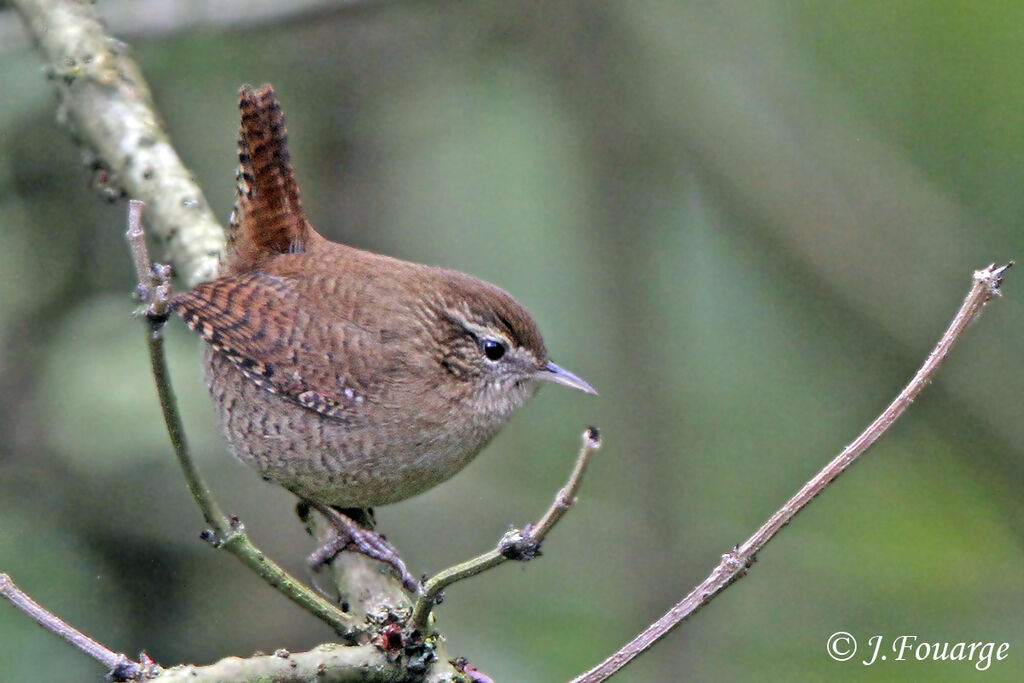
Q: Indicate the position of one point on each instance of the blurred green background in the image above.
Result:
(745, 223)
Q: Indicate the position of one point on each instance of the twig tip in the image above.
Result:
(135, 207)
(592, 438)
(992, 277)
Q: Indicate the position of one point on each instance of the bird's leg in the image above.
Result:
(351, 536)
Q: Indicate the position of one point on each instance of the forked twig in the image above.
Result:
(120, 668)
(226, 532)
(735, 563)
(517, 544)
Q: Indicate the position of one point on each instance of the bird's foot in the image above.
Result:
(351, 536)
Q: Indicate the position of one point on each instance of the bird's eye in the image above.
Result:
(494, 350)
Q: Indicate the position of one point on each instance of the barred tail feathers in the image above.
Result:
(268, 217)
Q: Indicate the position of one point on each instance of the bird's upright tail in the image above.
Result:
(268, 217)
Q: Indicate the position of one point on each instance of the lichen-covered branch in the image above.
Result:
(324, 664)
(367, 589)
(106, 105)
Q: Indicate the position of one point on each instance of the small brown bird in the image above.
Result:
(350, 378)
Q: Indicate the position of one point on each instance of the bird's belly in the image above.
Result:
(329, 460)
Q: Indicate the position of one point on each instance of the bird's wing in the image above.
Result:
(258, 322)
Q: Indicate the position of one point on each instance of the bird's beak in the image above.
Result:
(553, 373)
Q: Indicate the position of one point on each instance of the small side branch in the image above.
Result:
(225, 532)
(734, 564)
(517, 544)
(120, 668)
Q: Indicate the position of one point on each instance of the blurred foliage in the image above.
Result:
(745, 223)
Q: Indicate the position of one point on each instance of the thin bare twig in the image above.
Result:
(521, 545)
(118, 665)
(140, 252)
(227, 533)
(734, 564)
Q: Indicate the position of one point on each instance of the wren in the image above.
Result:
(350, 378)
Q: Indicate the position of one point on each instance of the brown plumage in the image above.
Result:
(352, 379)
(268, 217)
